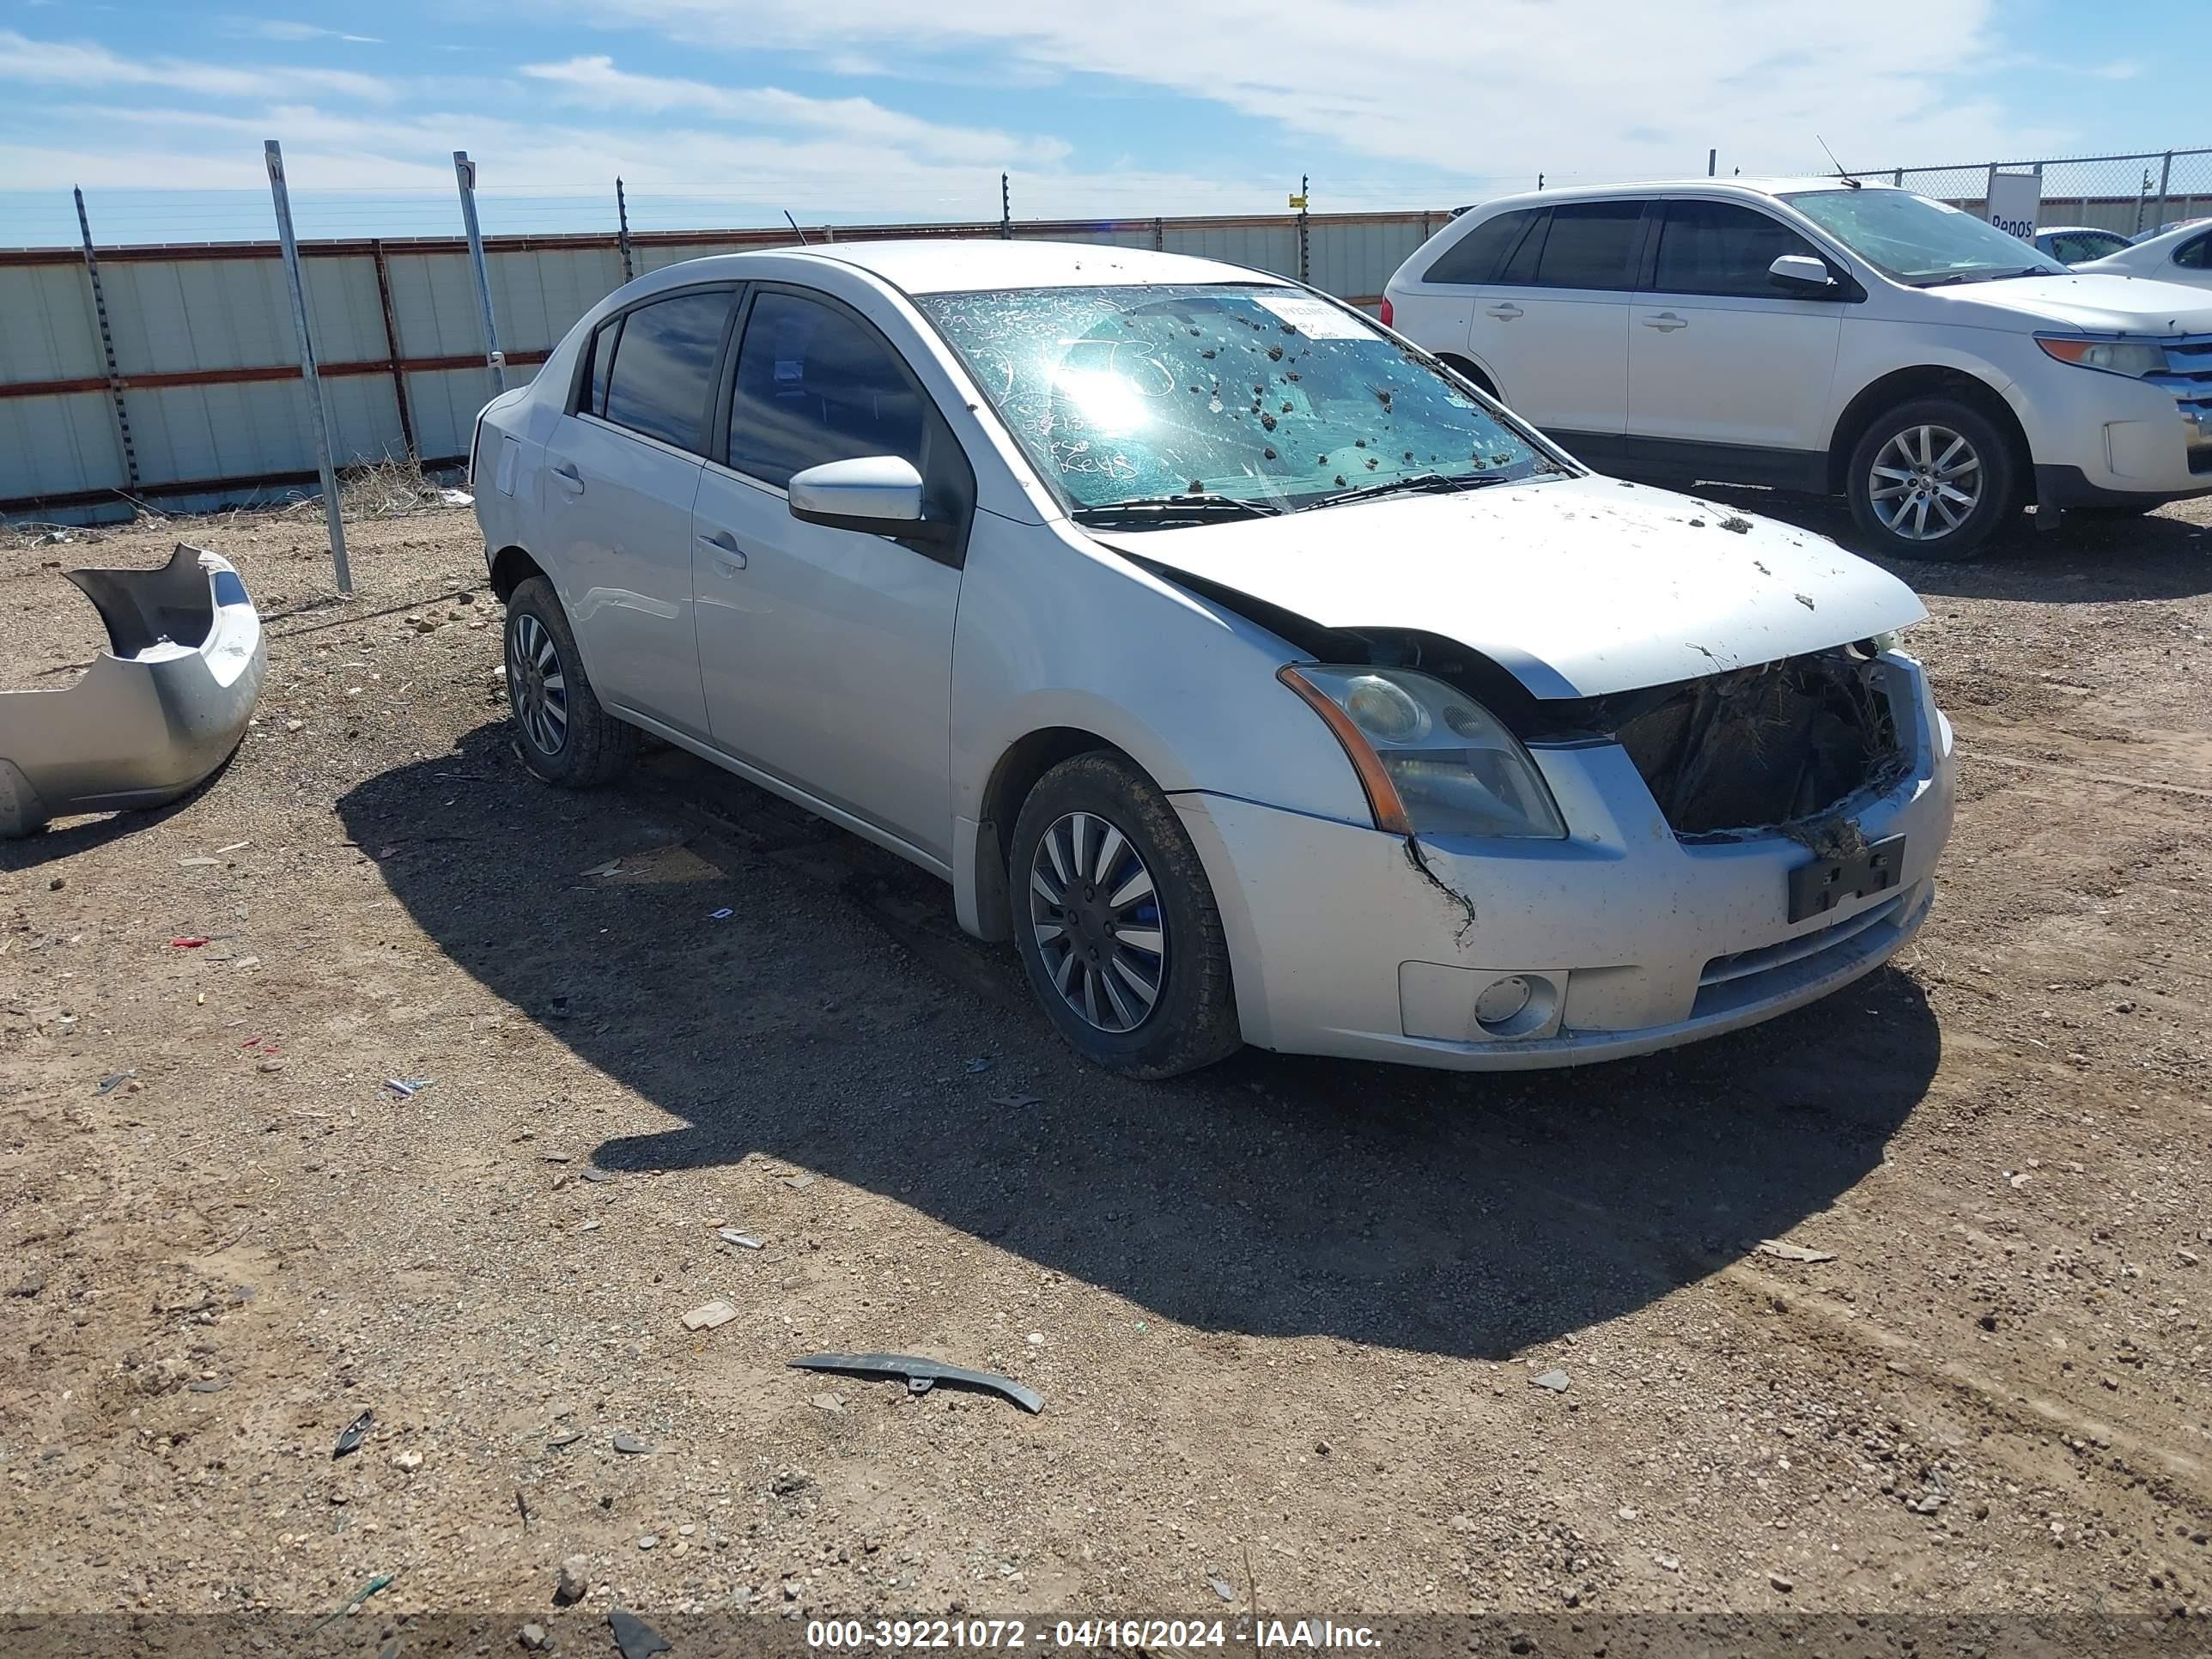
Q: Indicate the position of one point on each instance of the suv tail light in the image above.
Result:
(1389, 316)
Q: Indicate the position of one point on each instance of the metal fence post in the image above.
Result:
(318, 416)
(622, 227)
(464, 171)
(1712, 162)
(1006, 210)
(392, 356)
(2164, 182)
(107, 345)
(1304, 232)
(1898, 178)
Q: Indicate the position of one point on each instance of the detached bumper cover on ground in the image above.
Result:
(157, 712)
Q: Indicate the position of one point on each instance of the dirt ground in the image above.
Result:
(1286, 1315)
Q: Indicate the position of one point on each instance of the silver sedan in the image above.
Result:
(1261, 681)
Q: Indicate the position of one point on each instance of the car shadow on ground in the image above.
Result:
(1272, 1195)
(2090, 558)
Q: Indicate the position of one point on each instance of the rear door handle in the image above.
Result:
(1506, 313)
(570, 478)
(1666, 322)
(729, 557)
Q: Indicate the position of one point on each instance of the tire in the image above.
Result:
(1125, 824)
(1910, 444)
(565, 737)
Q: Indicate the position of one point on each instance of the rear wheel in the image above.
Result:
(566, 739)
(1116, 923)
(1933, 479)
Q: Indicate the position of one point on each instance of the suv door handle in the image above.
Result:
(568, 478)
(1666, 322)
(729, 557)
(1506, 313)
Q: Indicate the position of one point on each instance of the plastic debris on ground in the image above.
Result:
(113, 1081)
(356, 1433)
(407, 1088)
(743, 1241)
(1782, 1250)
(921, 1374)
(630, 1446)
(710, 1314)
(186, 942)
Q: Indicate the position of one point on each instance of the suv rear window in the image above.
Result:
(1476, 256)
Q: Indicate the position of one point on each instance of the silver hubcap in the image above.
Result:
(537, 686)
(1096, 917)
(1926, 482)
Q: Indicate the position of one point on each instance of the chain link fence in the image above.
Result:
(2129, 194)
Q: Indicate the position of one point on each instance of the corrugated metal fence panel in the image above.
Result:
(445, 402)
(1264, 247)
(1357, 260)
(48, 328)
(237, 313)
(433, 304)
(244, 431)
(59, 446)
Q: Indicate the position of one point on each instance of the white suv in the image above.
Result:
(1819, 336)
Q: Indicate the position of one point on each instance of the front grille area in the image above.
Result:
(2188, 376)
(1766, 747)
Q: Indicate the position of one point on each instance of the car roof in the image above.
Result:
(1747, 189)
(2077, 230)
(950, 265)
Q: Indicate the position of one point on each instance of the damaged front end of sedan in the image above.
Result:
(156, 714)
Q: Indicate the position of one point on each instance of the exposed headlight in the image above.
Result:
(1432, 760)
(2136, 357)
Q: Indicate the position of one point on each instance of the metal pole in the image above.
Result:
(1989, 190)
(1006, 210)
(464, 171)
(2165, 179)
(107, 345)
(318, 417)
(392, 348)
(622, 234)
(1305, 188)
(1712, 162)
(1897, 178)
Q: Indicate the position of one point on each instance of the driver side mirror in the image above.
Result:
(878, 495)
(1803, 275)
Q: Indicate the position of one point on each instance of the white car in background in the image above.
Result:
(1258, 679)
(1819, 336)
(2074, 244)
(2183, 254)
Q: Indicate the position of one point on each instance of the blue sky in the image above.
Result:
(728, 111)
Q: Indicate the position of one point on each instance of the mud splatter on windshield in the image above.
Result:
(1219, 393)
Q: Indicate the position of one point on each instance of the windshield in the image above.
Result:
(1911, 239)
(1162, 404)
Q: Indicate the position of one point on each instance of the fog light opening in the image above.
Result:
(1515, 1004)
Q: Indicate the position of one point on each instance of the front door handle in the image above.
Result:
(1666, 322)
(729, 557)
(1506, 313)
(568, 478)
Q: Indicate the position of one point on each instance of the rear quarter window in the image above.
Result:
(1477, 255)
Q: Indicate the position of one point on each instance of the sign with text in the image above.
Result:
(2016, 202)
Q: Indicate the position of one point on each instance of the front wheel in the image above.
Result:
(1932, 479)
(567, 737)
(1116, 923)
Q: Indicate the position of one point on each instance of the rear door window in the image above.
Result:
(1476, 256)
(664, 366)
(1588, 245)
(1717, 248)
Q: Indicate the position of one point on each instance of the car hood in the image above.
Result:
(1578, 587)
(2089, 302)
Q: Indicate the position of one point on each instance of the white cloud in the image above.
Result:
(81, 65)
(596, 82)
(1619, 88)
(280, 28)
